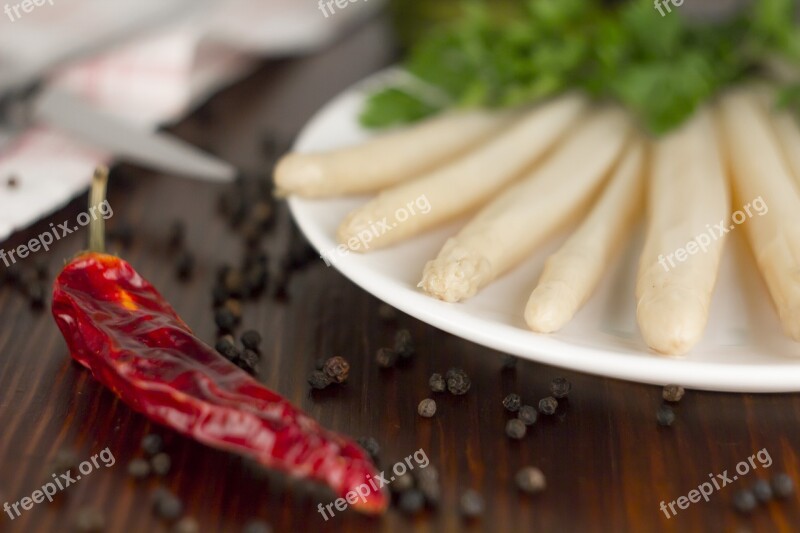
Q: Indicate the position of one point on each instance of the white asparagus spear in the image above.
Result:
(679, 264)
(786, 128)
(389, 158)
(511, 226)
(759, 172)
(571, 275)
(457, 188)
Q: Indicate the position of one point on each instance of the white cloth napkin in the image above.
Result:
(181, 54)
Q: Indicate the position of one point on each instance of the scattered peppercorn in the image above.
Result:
(161, 464)
(176, 234)
(402, 483)
(471, 504)
(337, 368)
(386, 357)
(166, 505)
(185, 266)
(782, 485)
(187, 524)
(122, 233)
(12, 182)
(139, 469)
(428, 484)
(427, 408)
(531, 480)
(387, 313)
(560, 388)
(225, 319)
(257, 526)
(509, 362)
(516, 428)
(512, 402)
(262, 214)
(233, 282)
(411, 501)
(548, 406)
(319, 379)
(89, 520)
(665, 415)
(528, 415)
(437, 383)
(251, 339)
(64, 460)
(744, 501)
(371, 446)
(152, 444)
(403, 344)
(673, 393)
(235, 307)
(226, 345)
(458, 381)
(762, 490)
(36, 295)
(248, 361)
(219, 295)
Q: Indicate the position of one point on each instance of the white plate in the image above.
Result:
(743, 349)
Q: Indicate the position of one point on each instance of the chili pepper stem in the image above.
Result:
(97, 195)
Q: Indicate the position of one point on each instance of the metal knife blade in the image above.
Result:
(159, 151)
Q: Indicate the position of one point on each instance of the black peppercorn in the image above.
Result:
(225, 319)
(531, 480)
(527, 414)
(337, 368)
(471, 504)
(560, 388)
(782, 485)
(386, 357)
(371, 446)
(176, 235)
(152, 444)
(744, 501)
(512, 402)
(319, 379)
(665, 416)
(185, 266)
(411, 501)
(403, 344)
(139, 469)
(227, 347)
(673, 393)
(166, 505)
(427, 408)
(161, 464)
(762, 490)
(457, 381)
(248, 361)
(515, 428)
(548, 406)
(437, 383)
(251, 339)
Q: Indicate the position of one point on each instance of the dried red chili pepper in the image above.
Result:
(119, 326)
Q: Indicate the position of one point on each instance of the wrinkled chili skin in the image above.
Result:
(119, 327)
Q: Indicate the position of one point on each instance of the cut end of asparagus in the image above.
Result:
(673, 322)
(299, 174)
(550, 306)
(456, 274)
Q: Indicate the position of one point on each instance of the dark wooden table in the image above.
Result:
(608, 464)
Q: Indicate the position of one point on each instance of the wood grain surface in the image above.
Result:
(608, 464)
